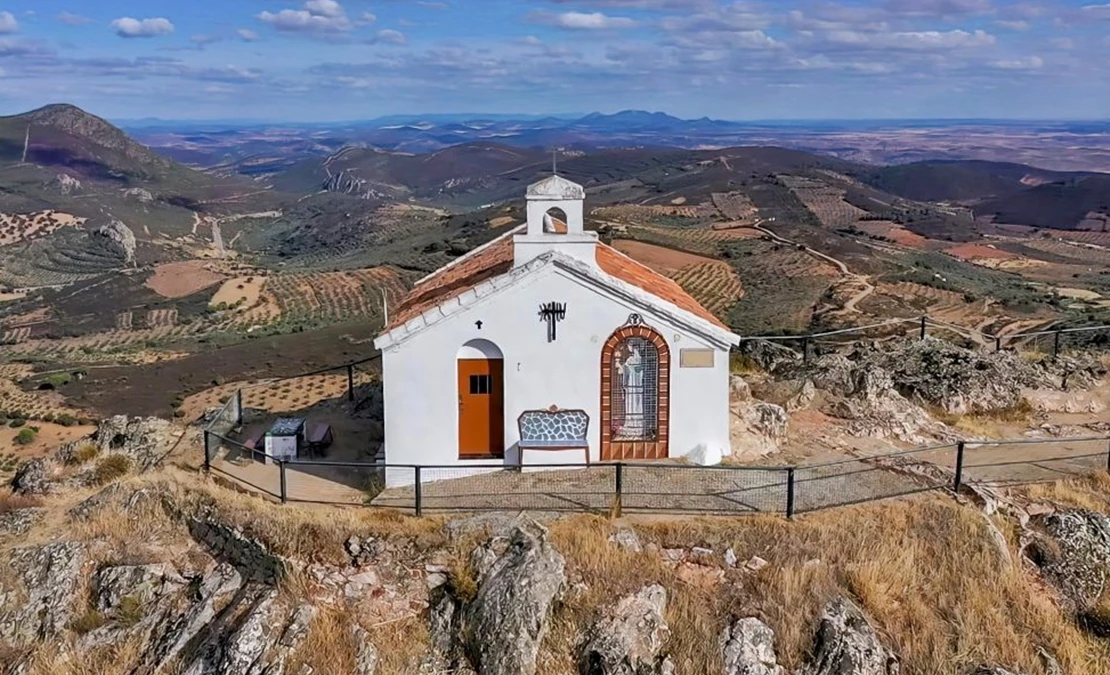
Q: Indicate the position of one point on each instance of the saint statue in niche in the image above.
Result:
(631, 372)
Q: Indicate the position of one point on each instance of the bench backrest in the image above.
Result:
(559, 425)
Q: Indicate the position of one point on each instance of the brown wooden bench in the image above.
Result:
(553, 429)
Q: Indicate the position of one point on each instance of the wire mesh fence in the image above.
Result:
(1034, 460)
(658, 487)
(227, 417)
(863, 479)
(718, 490)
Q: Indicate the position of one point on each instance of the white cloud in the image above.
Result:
(390, 36)
(316, 16)
(8, 24)
(247, 35)
(585, 21)
(126, 27)
(926, 40)
(1095, 12)
(1028, 63)
(73, 19)
(328, 8)
(1013, 25)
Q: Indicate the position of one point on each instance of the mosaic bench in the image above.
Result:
(553, 429)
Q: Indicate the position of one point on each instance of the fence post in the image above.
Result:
(805, 350)
(790, 492)
(419, 506)
(1108, 456)
(1056, 344)
(923, 319)
(617, 505)
(350, 382)
(207, 451)
(238, 407)
(959, 466)
(998, 343)
(284, 491)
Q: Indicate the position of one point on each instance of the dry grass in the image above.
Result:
(117, 659)
(330, 646)
(85, 453)
(924, 570)
(401, 645)
(14, 502)
(111, 468)
(987, 424)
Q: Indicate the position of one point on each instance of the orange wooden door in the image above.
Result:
(481, 408)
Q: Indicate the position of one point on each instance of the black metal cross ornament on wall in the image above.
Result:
(553, 313)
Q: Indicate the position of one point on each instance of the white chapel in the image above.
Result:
(546, 346)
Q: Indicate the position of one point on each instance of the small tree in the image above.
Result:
(25, 437)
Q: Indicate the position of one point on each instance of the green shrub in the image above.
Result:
(87, 622)
(48, 417)
(130, 611)
(83, 454)
(25, 437)
(66, 420)
(111, 468)
(17, 422)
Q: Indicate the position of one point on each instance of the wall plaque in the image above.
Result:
(695, 358)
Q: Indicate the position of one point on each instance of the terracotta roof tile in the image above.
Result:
(449, 282)
(497, 259)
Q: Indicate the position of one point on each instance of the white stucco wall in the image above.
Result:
(420, 377)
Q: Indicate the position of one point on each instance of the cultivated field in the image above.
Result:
(179, 279)
(825, 201)
(18, 227)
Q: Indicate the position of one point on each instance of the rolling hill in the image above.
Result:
(59, 156)
(1010, 193)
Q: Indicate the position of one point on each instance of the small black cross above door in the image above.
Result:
(478, 324)
(552, 313)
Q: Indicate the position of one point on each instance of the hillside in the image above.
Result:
(1010, 193)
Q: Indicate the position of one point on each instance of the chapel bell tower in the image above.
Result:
(556, 221)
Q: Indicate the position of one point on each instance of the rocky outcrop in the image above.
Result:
(44, 605)
(1072, 548)
(873, 408)
(253, 559)
(991, 670)
(757, 429)
(214, 591)
(748, 648)
(142, 440)
(118, 238)
(502, 628)
(847, 644)
(366, 655)
(33, 478)
(67, 184)
(19, 521)
(141, 584)
(629, 639)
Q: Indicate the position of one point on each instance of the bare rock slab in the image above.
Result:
(847, 644)
(748, 648)
(629, 639)
(503, 626)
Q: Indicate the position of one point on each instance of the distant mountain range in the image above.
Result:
(264, 148)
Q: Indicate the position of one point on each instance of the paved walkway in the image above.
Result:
(677, 488)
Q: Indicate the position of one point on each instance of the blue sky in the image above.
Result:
(324, 60)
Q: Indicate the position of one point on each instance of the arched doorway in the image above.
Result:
(481, 394)
(635, 394)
